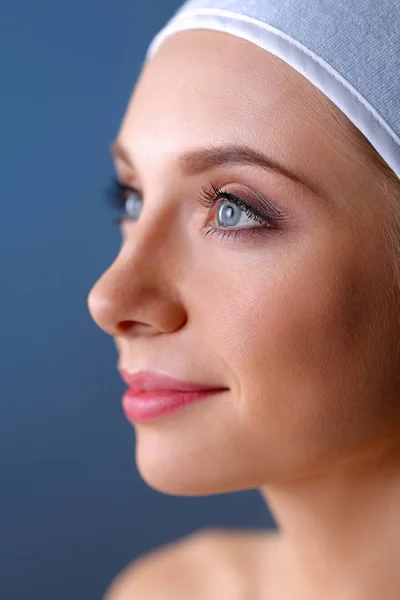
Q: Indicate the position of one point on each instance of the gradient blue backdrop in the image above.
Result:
(74, 509)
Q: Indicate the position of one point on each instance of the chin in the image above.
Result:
(175, 484)
(175, 479)
(198, 471)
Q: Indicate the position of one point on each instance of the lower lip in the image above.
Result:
(144, 406)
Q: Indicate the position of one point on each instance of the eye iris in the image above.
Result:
(229, 213)
(133, 206)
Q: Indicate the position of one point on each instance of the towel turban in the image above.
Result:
(348, 49)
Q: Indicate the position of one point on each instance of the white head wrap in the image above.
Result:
(349, 49)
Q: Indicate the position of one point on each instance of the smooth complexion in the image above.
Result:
(300, 322)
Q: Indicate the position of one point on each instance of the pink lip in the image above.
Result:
(151, 394)
(149, 381)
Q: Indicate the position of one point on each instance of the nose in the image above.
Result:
(139, 293)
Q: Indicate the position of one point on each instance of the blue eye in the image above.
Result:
(133, 205)
(236, 214)
(231, 215)
(233, 212)
(124, 198)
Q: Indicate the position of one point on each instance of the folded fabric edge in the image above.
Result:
(303, 60)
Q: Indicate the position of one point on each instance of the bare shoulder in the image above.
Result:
(207, 564)
(168, 572)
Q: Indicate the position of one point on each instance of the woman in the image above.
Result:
(258, 165)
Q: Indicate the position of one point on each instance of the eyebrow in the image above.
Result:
(195, 162)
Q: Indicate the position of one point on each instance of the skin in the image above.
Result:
(299, 323)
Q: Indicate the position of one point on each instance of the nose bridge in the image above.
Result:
(141, 285)
(151, 245)
(143, 257)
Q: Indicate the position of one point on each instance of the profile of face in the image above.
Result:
(286, 300)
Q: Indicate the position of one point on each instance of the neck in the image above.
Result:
(341, 529)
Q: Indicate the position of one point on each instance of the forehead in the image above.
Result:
(205, 87)
(222, 83)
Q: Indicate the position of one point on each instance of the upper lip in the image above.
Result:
(150, 381)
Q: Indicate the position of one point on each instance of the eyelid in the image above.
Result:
(258, 204)
(261, 202)
(249, 200)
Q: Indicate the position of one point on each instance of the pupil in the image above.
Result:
(229, 215)
(133, 206)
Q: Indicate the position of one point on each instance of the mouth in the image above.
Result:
(151, 395)
(144, 406)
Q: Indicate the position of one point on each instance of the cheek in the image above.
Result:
(284, 333)
(295, 338)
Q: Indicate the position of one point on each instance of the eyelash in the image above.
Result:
(117, 197)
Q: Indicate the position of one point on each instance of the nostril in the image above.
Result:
(124, 325)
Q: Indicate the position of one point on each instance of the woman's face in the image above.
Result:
(296, 317)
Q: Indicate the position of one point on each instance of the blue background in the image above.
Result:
(74, 509)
